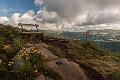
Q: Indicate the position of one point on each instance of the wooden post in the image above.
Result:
(22, 28)
(31, 29)
(36, 27)
(87, 34)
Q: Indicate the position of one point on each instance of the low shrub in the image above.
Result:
(2, 39)
(56, 51)
(114, 76)
(51, 73)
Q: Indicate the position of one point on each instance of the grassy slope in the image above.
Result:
(99, 64)
(92, 59)
(12, 38)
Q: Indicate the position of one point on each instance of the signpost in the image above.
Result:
(21, 25)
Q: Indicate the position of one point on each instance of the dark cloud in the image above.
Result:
(97, 11)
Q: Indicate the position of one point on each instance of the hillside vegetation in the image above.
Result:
(44, 57)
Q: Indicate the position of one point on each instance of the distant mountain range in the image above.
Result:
(93, 35)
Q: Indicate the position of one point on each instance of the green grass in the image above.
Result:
(114, 76)
(56, 51)
(87, 54)
(30, 68)
(51, 73)
(2, 40)
(93, 59)
(26, 71)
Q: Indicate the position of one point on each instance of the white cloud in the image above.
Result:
(28, 17)
(40, 4)
(4, 20)
(48, 17)
(85, 12)
(14, 19)
(70, 14)
(37, 2)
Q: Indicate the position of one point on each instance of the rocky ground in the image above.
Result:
(29, 56)
(68, 70)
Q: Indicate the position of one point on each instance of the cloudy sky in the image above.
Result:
(73, 15)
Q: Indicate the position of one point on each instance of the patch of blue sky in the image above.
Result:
(8, 7)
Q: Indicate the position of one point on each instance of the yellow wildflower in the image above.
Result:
(9, 64)
(0, 61)
(27, 58)
(36, 70)
(23, 48)
(26, 50)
